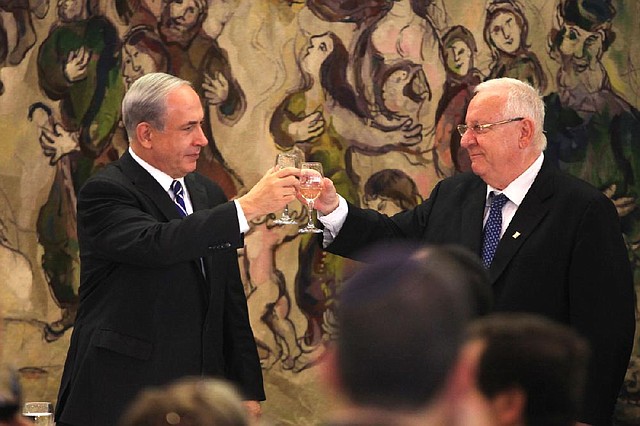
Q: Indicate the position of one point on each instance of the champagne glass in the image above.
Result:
(40, 413)
(310, 189)
(286, 160)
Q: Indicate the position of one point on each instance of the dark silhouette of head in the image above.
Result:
(401, 319)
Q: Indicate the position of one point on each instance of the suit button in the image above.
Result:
(227, 245)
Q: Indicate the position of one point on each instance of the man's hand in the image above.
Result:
(328, 200)
(277, 188)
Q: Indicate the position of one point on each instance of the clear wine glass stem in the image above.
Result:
(310, 223)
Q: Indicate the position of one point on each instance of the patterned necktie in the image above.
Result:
(492, 229)
(176, 187)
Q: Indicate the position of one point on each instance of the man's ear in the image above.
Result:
(143, 134)
(509, 406)
(526, 133)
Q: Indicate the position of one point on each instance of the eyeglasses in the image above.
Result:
(479, 129)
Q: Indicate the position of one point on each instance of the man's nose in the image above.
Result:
(467, 139)
(201, 138)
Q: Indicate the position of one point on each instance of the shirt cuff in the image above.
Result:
(333, 221)
(242, 220)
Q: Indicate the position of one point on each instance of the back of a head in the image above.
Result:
(188, 402)
(544, 359)
(473, 275)
(400, 325)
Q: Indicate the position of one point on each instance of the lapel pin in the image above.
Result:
(515, 235)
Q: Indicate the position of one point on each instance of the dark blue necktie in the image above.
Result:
(492, 229)
(176, 187)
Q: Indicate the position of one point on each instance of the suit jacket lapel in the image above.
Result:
(148, 186)
(197, 193)
(472, 214)
(534, 208)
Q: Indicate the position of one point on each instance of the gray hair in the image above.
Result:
(145, 101)
(523, 100)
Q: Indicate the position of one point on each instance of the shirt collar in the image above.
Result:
(517, 189)
(161, 177)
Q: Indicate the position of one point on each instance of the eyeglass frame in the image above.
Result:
(480, 129)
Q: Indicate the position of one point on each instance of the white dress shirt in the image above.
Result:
(515, 192)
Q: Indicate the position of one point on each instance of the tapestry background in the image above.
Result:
(372, 89)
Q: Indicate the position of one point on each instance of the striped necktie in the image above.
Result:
(178, 192)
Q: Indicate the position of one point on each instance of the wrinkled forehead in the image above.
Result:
(486, 104)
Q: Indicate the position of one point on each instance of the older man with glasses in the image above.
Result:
(552, 243)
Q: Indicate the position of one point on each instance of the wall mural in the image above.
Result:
(372, 89)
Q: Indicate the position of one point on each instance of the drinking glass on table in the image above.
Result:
(286, 160)
(40, 413)
(310, 189)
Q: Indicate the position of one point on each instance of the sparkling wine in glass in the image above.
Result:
(40, 413)
(310, 189)
(286, 160)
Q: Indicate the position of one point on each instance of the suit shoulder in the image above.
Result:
(211, 187)
(581, 194)
(460, 182)
(111, 171)
(576, 187)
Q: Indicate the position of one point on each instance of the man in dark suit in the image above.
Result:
(560, 251)
(160, 293)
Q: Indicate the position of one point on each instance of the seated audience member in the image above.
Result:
(10, 391)
(400, 321)
(191, 401)
(10, 398)
(475, 276)
(530, 369)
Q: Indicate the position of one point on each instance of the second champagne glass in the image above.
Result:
(310, 189)
(286, 160)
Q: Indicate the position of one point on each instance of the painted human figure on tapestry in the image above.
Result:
(78, 65)
(25, 36)
(593, 131)
(506, 31)
(271, 300)
(304, 120)
(197, 57)
(460, 50)
(399, 77)
(391, 191)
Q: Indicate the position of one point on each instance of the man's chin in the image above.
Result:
(477, 168)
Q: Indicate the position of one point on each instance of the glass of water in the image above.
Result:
(40, 413)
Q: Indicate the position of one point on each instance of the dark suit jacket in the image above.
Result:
(147, 314)
(562, 256)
